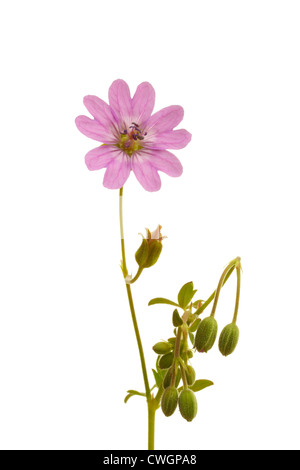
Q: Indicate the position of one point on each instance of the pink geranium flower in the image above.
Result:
(133, 139)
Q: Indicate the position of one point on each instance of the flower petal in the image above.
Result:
(93, 129)
(100, 157)
(145, 173)
(143, 103)
(117, 171)
(100, 110)
(165, 119)
(177, 139)
(163, 160)
(120, 101)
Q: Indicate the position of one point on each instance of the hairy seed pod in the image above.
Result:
(206, 334)
(229, 339)
(162, 347)
(188, 404)
(166, 361)
(169, 401)
(190, 375)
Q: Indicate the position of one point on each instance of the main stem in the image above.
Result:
(150, 401)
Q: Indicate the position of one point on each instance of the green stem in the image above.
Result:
(232, 264)
(212, 296)
(183, 376)
(151, 425)
(124, 267)
(238, 289)
(176, 355)
(139, 342)
(139, 272)
(159, 394)
(151, 406)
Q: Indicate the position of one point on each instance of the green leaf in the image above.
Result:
(161, 300)
(158, 378)
(186, 294)
(127, 397)
(135, 392)
(177, 320)
(200, 385)
(192, 338)
(131, 393)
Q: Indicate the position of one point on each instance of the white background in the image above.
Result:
(67, 348)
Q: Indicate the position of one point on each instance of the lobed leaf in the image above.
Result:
(186, 294)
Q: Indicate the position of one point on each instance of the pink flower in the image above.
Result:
(132, 138)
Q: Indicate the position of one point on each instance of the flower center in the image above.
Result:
(131, 138)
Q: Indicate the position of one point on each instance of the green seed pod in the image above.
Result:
(229, 339)
(188, 404)
(142, 253)
(190, 375)
(169, 401)
(162, 347)
(155, 248)
(206, 334)
(166, 361)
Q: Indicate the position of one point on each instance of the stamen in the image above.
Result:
(129, 138)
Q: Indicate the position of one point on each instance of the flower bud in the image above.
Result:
(190, 375)
(166, 361)
(169, 401)
(229, 339)
(206, 334)
(162, 347)
(188, 404)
